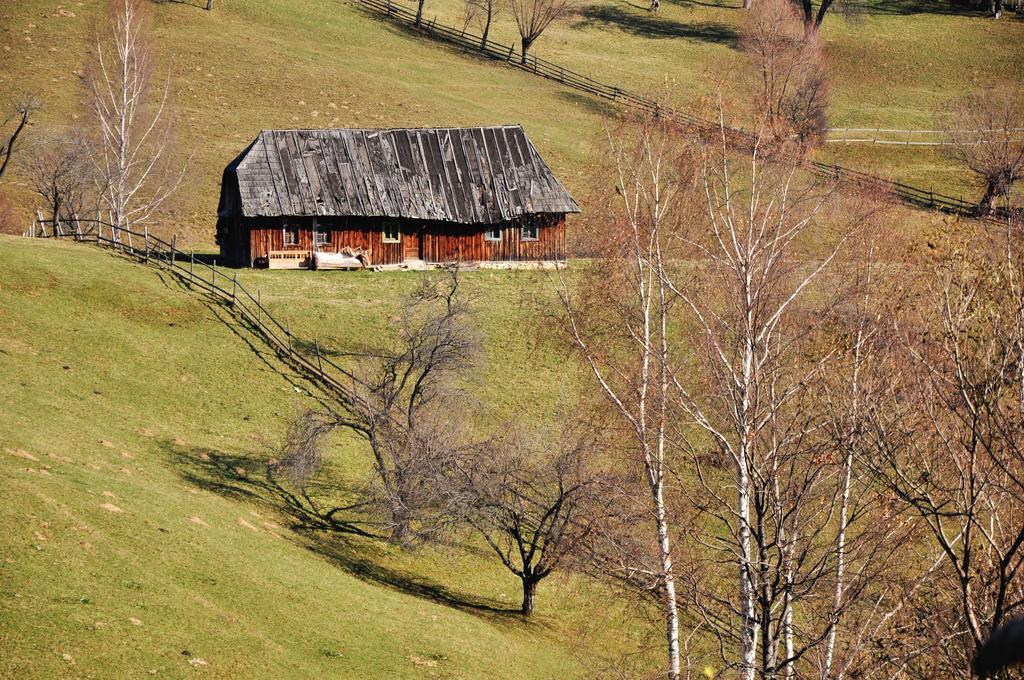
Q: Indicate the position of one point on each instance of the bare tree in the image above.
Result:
(483, 12)
(534, 16)
(617, 319)
(20, 115)
(792, 78)
(304, 446)
(135, 172)
(60, 171)
(986, 132)
(813, 18)
(531, 496)
(949, 445)
(399, 400)
(757, 312)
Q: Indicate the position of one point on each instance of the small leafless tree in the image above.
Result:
(949, 444)
(986, 132)
(135, 172)
(534, 16)
(399, 400)
(792, 77)
(304, 446)
(19, 116)
(60, 171)
(617, 319)
(531, 496)
(482, 13)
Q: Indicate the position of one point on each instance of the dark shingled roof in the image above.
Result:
(481, 175)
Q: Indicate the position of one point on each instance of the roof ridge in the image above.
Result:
(499, 126)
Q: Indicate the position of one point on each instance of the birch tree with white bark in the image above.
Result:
(760, 307)
(134, 163)
(617, 319)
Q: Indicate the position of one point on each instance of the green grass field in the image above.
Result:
(139, 531)
(248, 66)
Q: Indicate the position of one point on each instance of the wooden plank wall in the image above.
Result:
(441, 242)
(465, 243)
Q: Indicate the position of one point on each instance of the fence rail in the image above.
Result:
(898, 137)
(474, 43)
(154, 251)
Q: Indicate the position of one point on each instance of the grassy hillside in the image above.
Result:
(139, 532)
(893, 64)
(252, 65)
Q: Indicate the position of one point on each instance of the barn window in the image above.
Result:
(529, 232)
(291, 234)
(391, 232)
(492, 234)
(321, 235)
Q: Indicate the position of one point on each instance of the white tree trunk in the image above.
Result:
(669, 600)
(748, 622)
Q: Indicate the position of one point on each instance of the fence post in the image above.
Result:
(174, 246)
(288, 334)
(192, 265)
(234, 288)
(145, 234)
(259, 306)
(214, 277)
(319, 363)
(511, 49)
(389, 8)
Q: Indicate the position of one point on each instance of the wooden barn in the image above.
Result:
(392, 197)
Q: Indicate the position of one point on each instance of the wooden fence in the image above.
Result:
(896, 137)
(222, 285)
(471, 42)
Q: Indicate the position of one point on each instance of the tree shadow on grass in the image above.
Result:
(649, 25)
(198, 4)
(714, 4)
(597, 106)
(938, 7)
(331, 533)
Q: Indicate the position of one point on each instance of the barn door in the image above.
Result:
(412, 243)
